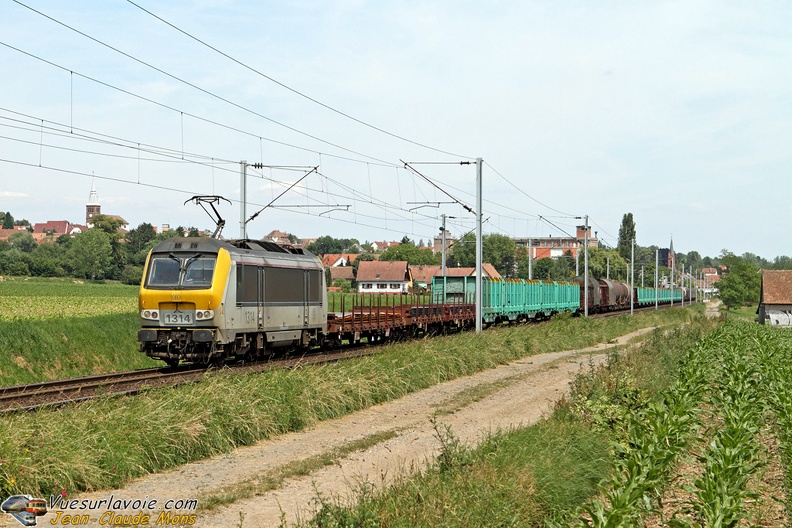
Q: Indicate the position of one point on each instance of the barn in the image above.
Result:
(775, 301)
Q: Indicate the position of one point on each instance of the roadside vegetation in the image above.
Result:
(104, 443)
(691, 429)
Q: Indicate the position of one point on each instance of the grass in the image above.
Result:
(59, 328)
(676, 431)
(273, 479)
(745, 312)
(104, 443)
(533, 475)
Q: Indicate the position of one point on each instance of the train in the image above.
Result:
(205, 300)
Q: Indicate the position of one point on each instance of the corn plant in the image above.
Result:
(655, 439)
(730, 458)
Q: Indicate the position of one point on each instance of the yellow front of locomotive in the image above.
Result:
(181, 298)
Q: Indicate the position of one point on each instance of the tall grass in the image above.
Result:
(104, 443)
(45, 349)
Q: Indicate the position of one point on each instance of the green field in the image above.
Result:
(59, 328)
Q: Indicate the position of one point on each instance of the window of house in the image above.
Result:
(382, 286)
(366, 286)
(395, 287)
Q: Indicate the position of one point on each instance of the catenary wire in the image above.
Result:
(297, 92)
(195, 86)
(195, 116)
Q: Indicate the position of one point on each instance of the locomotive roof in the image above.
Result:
(236, 247)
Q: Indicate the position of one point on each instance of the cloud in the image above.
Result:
(11, 194)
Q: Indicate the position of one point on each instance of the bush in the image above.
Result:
(132, 275)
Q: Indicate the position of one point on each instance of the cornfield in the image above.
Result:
(704, 440)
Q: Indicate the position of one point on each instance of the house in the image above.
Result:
(376, 276)
(775, 299)
(5, 233)
(331, 260)
(342, 272)
(556, 247)
(58, 227)
(422, 275)
(382, 246)
(277, 237)
(123, 224)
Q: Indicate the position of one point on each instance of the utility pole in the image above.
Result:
(443, 239)
(530, 259)
(607, 274)
(632, 276)
(585, 264)
(673, 262)
(657, 276)
(242, 198)
(683, 287)
(479, 247)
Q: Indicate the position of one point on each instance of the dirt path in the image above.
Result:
(508, 396)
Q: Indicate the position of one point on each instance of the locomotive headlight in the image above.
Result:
(152, 315)
(204, 314)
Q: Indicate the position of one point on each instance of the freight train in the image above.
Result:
(204, 300)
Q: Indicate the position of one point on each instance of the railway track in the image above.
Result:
(60, 392)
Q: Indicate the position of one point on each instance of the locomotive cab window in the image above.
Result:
(180, 272)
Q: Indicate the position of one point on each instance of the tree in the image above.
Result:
(344, 285)
(47, 261)
(543, 269)
(90, 254)
(741, 285)
(782, 262)
(22, 240)
(599, 260)
(626, 236)
(413, 255)
(8, 221)
(12, 262)
(140, 236)
(327, 244)
(107, 224)
(132, 275)
(498, 250)
(693, 260)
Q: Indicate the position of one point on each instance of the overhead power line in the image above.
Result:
(192, 85)
(289, 88)
(194, 116)
(524, 193)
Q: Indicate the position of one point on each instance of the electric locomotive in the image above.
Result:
(205, 300)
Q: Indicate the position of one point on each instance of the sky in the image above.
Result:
(675, 111)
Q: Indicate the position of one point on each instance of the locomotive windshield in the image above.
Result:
(181, 272)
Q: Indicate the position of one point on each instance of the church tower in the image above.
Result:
(92, 207)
